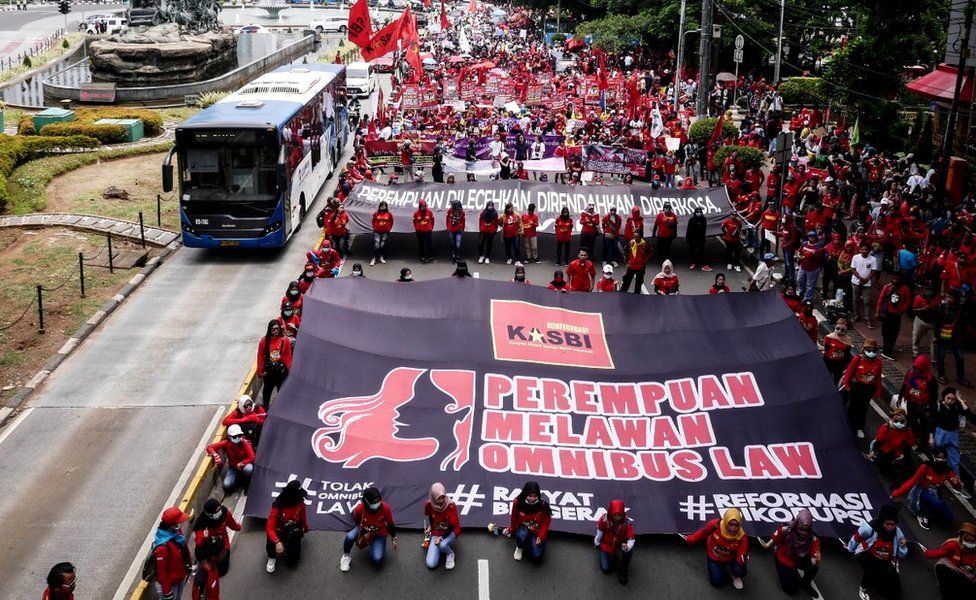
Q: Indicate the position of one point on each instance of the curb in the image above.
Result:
(84, 222)
(82, 333)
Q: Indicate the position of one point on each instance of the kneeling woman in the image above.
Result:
(374, 522)
(443, 527)
(531, 516)
(287, 525)
(614, 532)
(727, 548)
(797, 548)
(879, 545)
(956, 569)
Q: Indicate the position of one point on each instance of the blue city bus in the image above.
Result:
(250, 165)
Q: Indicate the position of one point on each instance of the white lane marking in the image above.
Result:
(813, 584)
(188, 470)
(476, 275)
(13, 424)
(483, 592)
(237, 512)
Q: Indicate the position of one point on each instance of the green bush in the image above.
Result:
(106, 134)
(558, 38)
(750, 157)
(151, 120)
(26, 127)
(16, 150)
(802, 90)
(208, 99)
(27, 62)
(702, 129)
(65, 43)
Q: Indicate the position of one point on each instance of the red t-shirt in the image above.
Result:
(382, 222)
(423, 222)
(667, 225)
(589, 223)
(580, 275)
(530, 222)
(606, 284)
(564, 229)
(510, 224)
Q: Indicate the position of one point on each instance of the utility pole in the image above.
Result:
(779, 42)
(950, 134)
(705, 52)
(559, 10)
(681, 55)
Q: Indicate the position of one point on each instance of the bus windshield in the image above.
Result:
(229, 172)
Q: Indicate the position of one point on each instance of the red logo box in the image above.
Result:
(525, 332)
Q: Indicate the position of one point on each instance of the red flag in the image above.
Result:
(360, 27)
(445, 25)
(408, 32)
(413, 59)
(717, 132)
(601, 74)
(381, 109)
(384, 42)
(472, 8)
(427, 4)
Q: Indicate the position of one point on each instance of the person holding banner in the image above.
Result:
(455, 227)
(374, 523)
(726, 548)
(956, 567)
(564, 234)
(796, 548)
(443, 526)
(615, 532)
(862, 381)
(891, 445)
(878, 546)
(530, 519)
(382, 226)
(487, 228)
(423, 225)
(611, 224)
(665, 230)
(924, 489)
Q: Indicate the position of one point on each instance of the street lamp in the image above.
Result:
(677, 72)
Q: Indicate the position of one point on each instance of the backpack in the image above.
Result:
(149, 572)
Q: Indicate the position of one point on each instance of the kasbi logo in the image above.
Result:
(525, 332)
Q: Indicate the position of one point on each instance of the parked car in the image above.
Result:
(329, 24)
(113, 25)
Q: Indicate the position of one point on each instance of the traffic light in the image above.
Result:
(64, 7)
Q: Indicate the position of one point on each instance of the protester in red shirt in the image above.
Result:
(511, 223)
(808, 321)
(862, 381)
(61, 582)
(423, 226)
(635, 222)
(382, 226)
(614, 533)
(719, 286)
(638, 255)
(240, 456)
(607, 283)
(665, 283)
(726, 548)
(956, 567)
(925, 501)
(837, 350)
(529, 524)
(920, 392)
(732, 236)
(892, 443)
(564, 234)
(893, 303)
(274, 360)
(293, 296)
(810, 258)
(559, 283)
(374, 523)
(290, 321)
(879, 545)
(797, 548)
(455, 227)
(611, 224)
(339, 230)
(488, 222)
(171, 555)
(530, 236)
(206, 581)
(287, 525)
(307, 277)
(665, 230)
(589, 228)
(442, 526)
(210, 533)
(581, 273)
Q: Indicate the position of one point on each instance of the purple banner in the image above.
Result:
(680, 406)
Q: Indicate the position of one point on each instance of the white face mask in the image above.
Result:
(870, 353)
(898, 424)
(375, 506)
(969, 545)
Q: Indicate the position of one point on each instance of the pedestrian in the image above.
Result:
(862, 382)
(726, 548)
(374, 523)
(925, 307)
(762, 279)
(530, 520)
(437, 169)
(559, 283)
(564, 234)
(615, 533)
(307, 278)
(893, 302)
(423, 226)
(455, 228)
(808, 320)
(487, 228)
(61, 581)
(406, 275)
(920, 394)
(879, 545)
(956, 567)
(274, 360)
(797, 548)
(511, 223)
(171, 556)
(581, 273)
(287, 525)
(949, 336)
(519, 276)
(589, 228)
(293, 295)
(407, 160)
(249, 416)
(638, 255)
(946, 417)
(210, 534)
(695, 234)
(665, 230)
(634, 223)
(810, 258)
(442, 526)
(290, 321)
(240, 458)
(206, 579)
(607, 283)
(890, 447)
(837, 347)
(382, 226)
(610, 226)
(732, 236)
(665, 283)
(924, 489)
(340, 231)
(864, 271)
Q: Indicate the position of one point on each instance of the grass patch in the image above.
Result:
(177, 114)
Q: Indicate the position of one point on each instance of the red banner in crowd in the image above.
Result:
(384, 42)
(360, 26)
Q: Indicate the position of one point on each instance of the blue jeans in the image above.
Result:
(718, 572)
(434, 551)
(455, 246)
(806, 282)
(606, 560)
(949, 440)
(176, 589)
(525, 540)
(927, 503)
(379, 245)
(512, 247)
(789, 266)
(230, 478)
(377, 550)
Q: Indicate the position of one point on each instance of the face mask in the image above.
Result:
(357, 273)
(898, 424)
(870, 353)
(375, 506)
(310, 274)
(287, 313)
(293, 293)
(527, 501)
(840, 331)
(608, 275)
(236, 439)
(215, 516)
(895, 298)
(520, 278)
(969, 545)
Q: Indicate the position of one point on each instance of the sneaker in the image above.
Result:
(487, 261)
(728, 267)
(449, 562)
(737, 583)
(345, 562)
(871, 326)
(923, 522)
(518, 263)
(382, 260)
(738, 269)
(706, 268)
(863, 593)
(691, 267)
(965, 494)
(808, 588)
(481, 260)
(372, 262)
(518, 554)
(272, 563)
(860, 434)
(508, 262)
(887, 356)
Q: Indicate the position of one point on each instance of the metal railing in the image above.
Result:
(14, 61)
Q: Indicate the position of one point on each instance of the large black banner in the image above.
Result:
(549, 199)
(681, 406)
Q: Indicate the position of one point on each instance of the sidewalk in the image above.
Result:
(127, 229)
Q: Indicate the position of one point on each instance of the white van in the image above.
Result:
(113, 25)
(360, 81)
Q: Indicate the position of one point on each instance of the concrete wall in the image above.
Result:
(231, 81)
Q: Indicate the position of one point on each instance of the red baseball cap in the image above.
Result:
(173, 516)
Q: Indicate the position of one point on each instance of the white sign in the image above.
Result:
(737, 55)
(739, 42)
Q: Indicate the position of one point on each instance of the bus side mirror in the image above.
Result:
(167, 178)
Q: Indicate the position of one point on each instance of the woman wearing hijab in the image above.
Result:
(891, 445)
(455, 227)
(564, 235)
(614, 532)
(726, 547)
(442, 527)
(665, 283)
(487, 228)
(837, 350)
(461, 270)
(293, 295)
(374, 523)
(559, 283)
(531, 516)
(956, 567)
(797, 548)
(878, 546)
(210, 532)
(924, 489)
(287, 525)
(274, 360)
